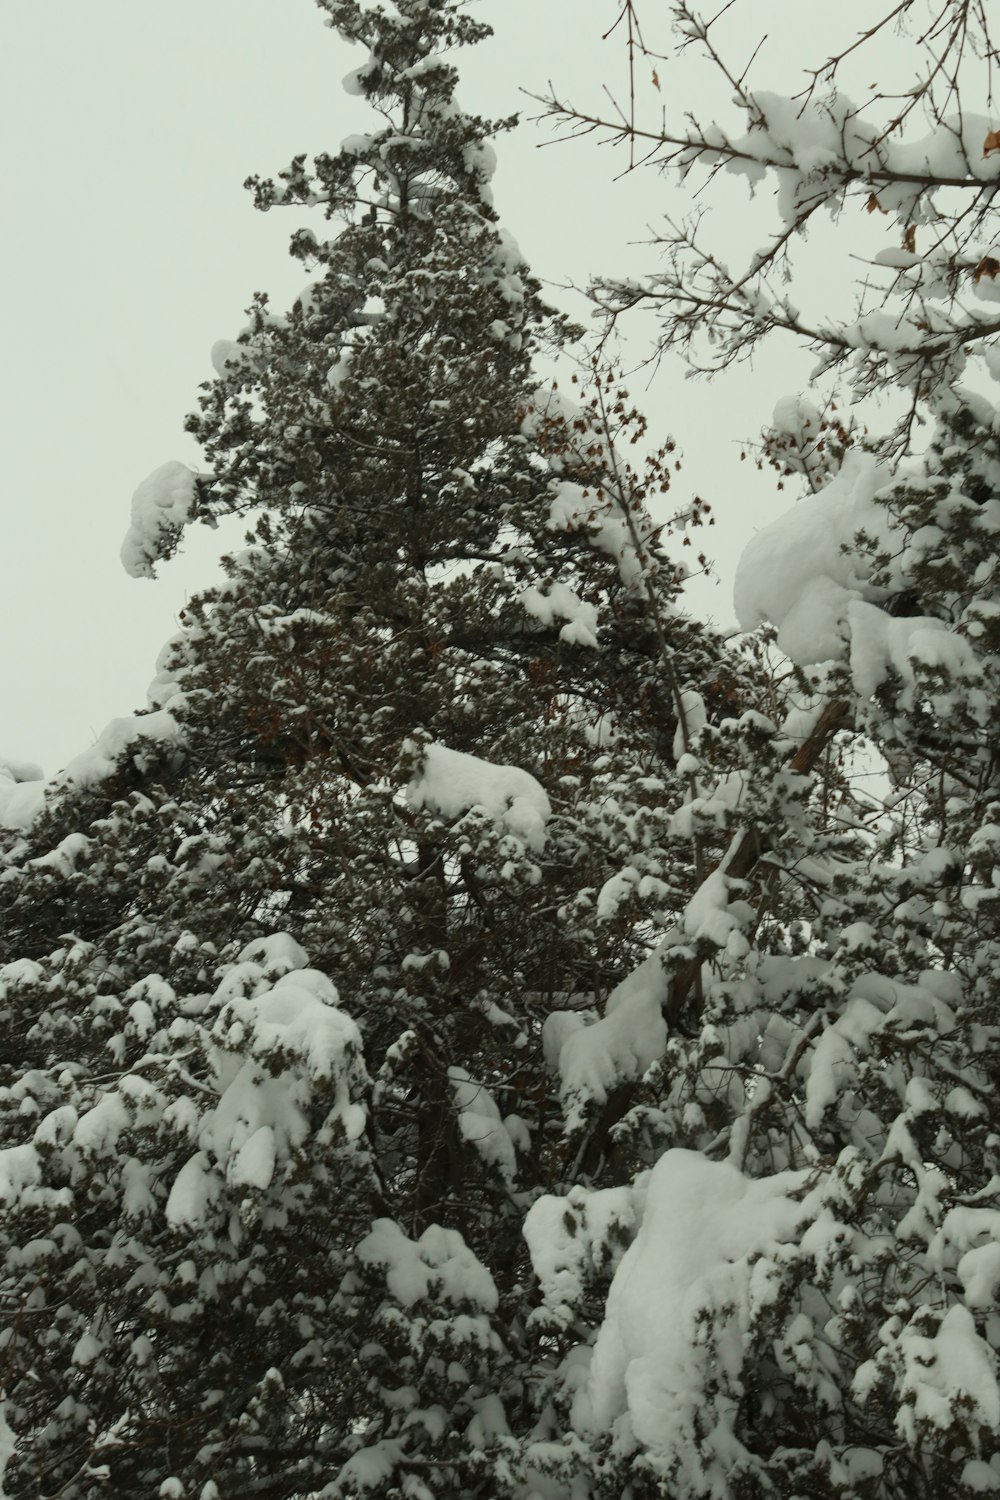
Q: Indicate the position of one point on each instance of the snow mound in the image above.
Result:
(804, 574)
(796, 572)
(568, 1239)
(227, 355)
(161, 507)
(451, 783)
(22, 793)
(696, 1251)
(23, 796)
(438, 1265)
(562, 601)
(880, 645)
(622, 1045)
(480, 1122)
(115, 740)
(280, 1051)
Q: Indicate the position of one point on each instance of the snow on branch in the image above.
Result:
(24, 791)
(21, 793)
(692, 1266)
(451, 783)
(162, 506)
(923, 302)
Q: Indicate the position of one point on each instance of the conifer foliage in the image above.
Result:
(322, 973)
(811, 1303)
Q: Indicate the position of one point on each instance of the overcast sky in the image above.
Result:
(130, 246)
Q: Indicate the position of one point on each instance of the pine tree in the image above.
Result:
(810, 1301)
(304, 967)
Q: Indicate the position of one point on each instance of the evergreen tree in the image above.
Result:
(304, 968)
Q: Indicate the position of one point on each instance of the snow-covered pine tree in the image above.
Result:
(297, 962)
(810, 1304)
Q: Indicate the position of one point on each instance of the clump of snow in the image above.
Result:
(801, 719)
(162, 506)
(104, 756)
(567, 1239)
(451, 783)
(817, 148)
(165, 688)
(968, 1241)
(357, 144)
(354, 81)
(439, 1264)
(798, 434)
(22, 800)
(20, 1168)
(880, 644)
(803, 575)
(277, 954)
(952, 1367)
(796, 572)
(281, 1047)
(20, 770)
(832, 1061)
(980, 1477)
(480, 1122)
(370, 1469)
(507, 255)
(623, 1044)
(710, 915)
(612, 520)
(227, 355)
(632, 1034)
(22, 793)
(562, 601)
(691, 720)
(874, 1004)
(703, 1227)
(715, 806)
(65, 856)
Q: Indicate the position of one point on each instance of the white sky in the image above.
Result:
(129, 246)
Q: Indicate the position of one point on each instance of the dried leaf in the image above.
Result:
(910, 238)
(987, 267)
(874, 204)
(656, 79)
(991, 143)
